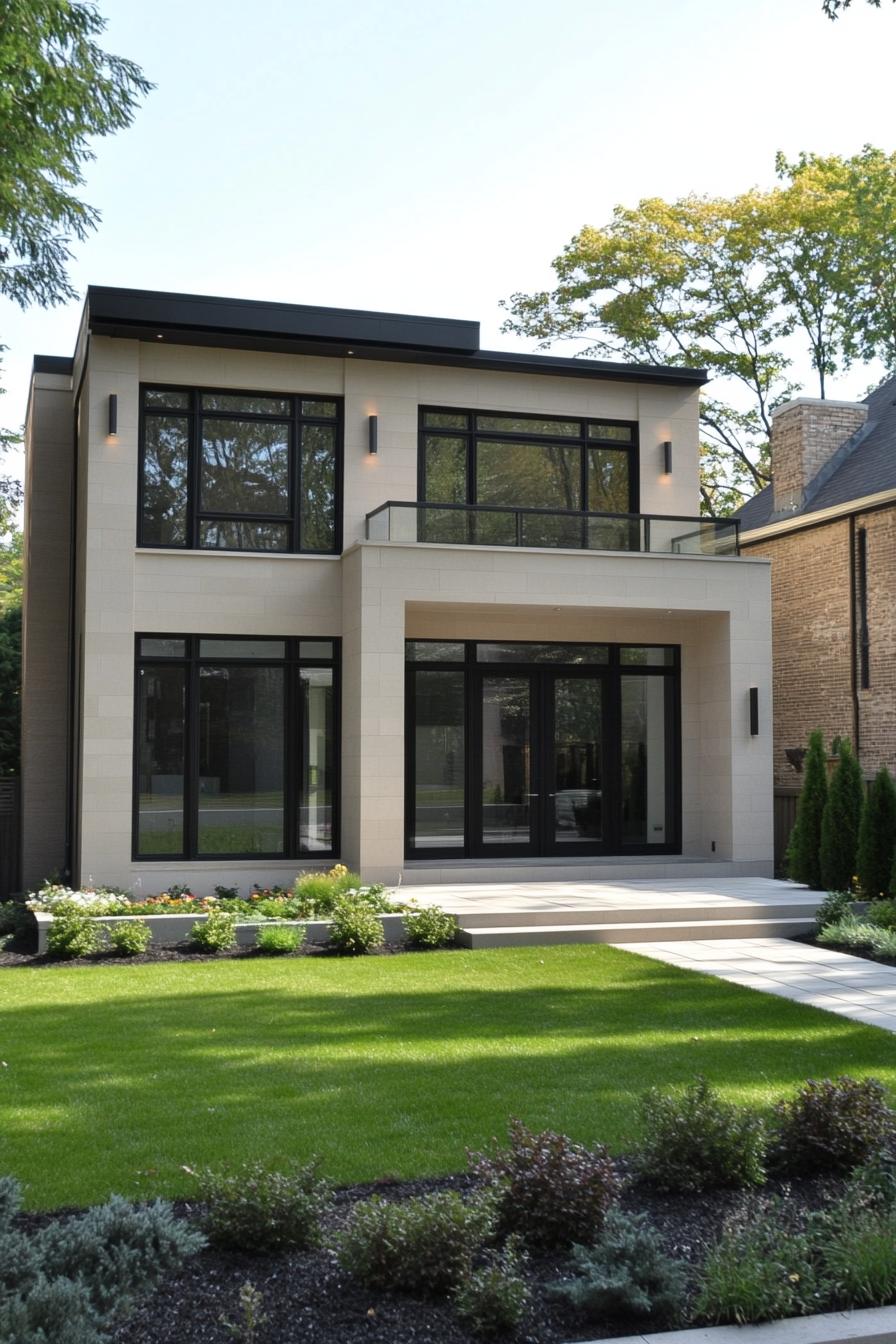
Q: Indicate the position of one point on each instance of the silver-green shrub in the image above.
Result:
(625, 1273)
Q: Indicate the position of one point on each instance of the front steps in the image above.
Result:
(646, 923)
(646, 867)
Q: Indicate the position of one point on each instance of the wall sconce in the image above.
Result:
(113, 415)
(754, 711)
(666, 450)
(371, 434)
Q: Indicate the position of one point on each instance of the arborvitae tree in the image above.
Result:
(803, 851)
(840, 822)
(877, 837)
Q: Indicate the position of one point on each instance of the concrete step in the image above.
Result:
(634, 913)
(640, 868)
(544, 935)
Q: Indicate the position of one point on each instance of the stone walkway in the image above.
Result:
(850, 986)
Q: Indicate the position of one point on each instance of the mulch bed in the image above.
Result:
(309, 1299)
(19, 955)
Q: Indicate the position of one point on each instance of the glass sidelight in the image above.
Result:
(508, 799)
(576, 761)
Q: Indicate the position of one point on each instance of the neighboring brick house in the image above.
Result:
(828, 524)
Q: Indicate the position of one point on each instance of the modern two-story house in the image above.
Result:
(310, 584)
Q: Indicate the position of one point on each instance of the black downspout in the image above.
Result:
(852, 634)
(73, 670)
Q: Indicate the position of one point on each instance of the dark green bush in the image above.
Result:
(279, 939)
(759, 1269)
(130, 939)
(551, 1191)
(217, 933)
(356, 928)
(625, 1273)
(835, 906)
(693, 1140)
(882, 914)
(877, 837)
(874, 1180)
(803, 851)
(830, 1126)
(840, 823)
(421, 1246)
(493, 1297)
(855, 1246)
(257, 1210)
(429, 926)
(73, 934)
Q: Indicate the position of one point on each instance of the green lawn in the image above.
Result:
(116, 1076)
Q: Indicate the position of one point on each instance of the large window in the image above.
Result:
(525, 461)
(239, 471)
(235, 747)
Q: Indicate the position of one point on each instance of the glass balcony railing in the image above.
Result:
(500, 525)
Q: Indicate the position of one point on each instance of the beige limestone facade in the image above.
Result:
(91, 590)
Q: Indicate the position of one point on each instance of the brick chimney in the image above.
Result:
(806, 434)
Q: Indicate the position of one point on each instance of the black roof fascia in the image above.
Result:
(246, 324)
(53, 364)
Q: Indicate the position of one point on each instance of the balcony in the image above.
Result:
(501, 525)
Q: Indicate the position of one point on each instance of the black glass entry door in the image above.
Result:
(540, 769)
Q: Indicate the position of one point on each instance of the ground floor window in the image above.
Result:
(236, 752)
(542, 749)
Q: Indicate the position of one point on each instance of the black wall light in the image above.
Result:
(754, 711)
(371, 434)
(666, 449)
(113, 415)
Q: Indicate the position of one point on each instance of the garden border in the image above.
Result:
(166, 929)
(869, 1325)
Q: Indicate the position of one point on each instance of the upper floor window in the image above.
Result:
(528, 461)
(239, 471)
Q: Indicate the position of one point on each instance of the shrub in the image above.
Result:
(696, 1141)
(355, 929)
(429, 926)
(130, 939)
(835, 906)
(216, 934)
(874, 1180)
(16, 920)
(280, 939)
(759, 1269)
(856, 1249)
(803, 850)
(73, 934)
(860, 935)
(227, 893)
(421, 1246)
(493, 1297)
(840, 822)
(830, 1126)
(877, 837)
(257, 1210)
(626, 1273)
(70, 1280)
(550, 1190)
(882, 914)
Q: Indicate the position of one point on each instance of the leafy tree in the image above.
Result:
(877, 837)
(840, 822)
(833, 8)
(726, 284)
(803, 851)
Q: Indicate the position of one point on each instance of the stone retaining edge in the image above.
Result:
(174, 928)
(871, 1325)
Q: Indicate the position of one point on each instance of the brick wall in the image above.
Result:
(811, 640)
(805, 435)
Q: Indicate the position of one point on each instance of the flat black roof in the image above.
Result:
(53, 364)
(292, 328)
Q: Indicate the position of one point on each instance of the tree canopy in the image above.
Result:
(833, 8)
(735, 285)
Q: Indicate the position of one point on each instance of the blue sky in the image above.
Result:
(433, 156)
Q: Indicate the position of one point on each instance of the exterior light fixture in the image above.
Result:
(666, 449)
(113, 415)
(371, 434)
(754, 711)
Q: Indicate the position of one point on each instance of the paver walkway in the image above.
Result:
(851, 986)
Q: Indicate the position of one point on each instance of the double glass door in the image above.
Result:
(541, 768)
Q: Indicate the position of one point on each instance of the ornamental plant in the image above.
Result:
(625, 1273)
(693, 1141)
(217, 933)
(831, 1126)
(355, 928)
(877, 837)
(840, 822)
(429, 926)
(73, 934)
(130, 939)
(280, 939)
(803, 851)
(492, 1299)
(257, 1210)
(551, 1191)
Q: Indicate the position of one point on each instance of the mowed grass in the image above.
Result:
(117, 1077)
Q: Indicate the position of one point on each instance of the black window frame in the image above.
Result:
(294, 738)
(613, 671)
(194, 414)
(583, 441)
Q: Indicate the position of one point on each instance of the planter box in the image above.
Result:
(175, 928)
(871, 1325)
